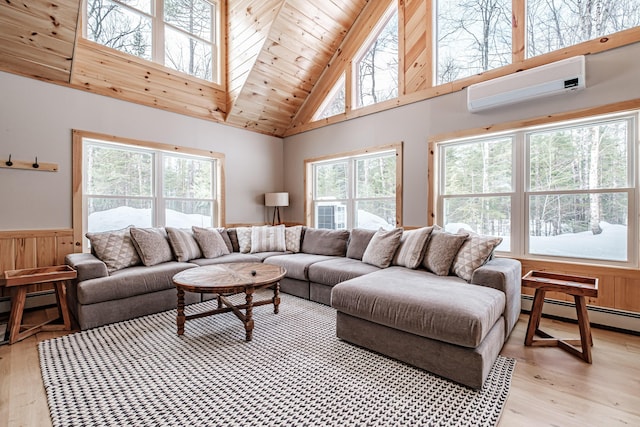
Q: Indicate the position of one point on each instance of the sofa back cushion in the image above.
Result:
(358, 241)
(233, 238)
(319, 241)
(152, 245)
(382, 247)
(114, 248)
(183, 243)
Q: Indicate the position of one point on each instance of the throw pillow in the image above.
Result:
(358, 241)
(152, 245)
(233, 238)
(320, 241)
(441, 250)
(225, 236)
(244, 239)
(382, 247)
(412, 246)
(114, 248)
(183, 243)
(210, 241)
(475, 251)
(268, 238)
(292, 237)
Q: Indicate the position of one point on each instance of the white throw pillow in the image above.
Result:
(292, 236)
(244, 239)
(268, 239)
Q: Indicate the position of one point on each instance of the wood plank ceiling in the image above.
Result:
(276, 52)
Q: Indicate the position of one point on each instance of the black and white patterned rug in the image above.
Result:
(294, 372)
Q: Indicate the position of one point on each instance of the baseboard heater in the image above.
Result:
(33, 300)
(620, 320)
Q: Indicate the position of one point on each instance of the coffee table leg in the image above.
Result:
(276, 298)
(180, 319)
(248, 320)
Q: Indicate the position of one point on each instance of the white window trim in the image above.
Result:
(521, 193)
(310, 201)
(158, 30)
(79, 177)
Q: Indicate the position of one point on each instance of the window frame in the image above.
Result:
(79, 210)
(351, 158)
(373, 35)
(520, 232)
(158, 24)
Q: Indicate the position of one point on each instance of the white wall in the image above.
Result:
(612, 76)
(36, 119)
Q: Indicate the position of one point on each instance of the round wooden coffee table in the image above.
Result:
(229, 279)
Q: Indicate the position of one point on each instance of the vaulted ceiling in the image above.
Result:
(276, 51)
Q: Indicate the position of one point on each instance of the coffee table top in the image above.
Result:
(231, 277)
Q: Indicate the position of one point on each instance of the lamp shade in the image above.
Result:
(276, 199)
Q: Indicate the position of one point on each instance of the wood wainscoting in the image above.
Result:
(34, 248)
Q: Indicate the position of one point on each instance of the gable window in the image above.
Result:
(127, 183)
(180, 34)
(572, 197)
(562, 23)
(376, 66)
(472, 37)
(334, 103)
(355, 190)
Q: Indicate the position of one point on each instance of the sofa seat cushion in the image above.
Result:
(442, 308)
(264, 255)
(297, 265)
(224, 259)
(338, 270)
(130, 282)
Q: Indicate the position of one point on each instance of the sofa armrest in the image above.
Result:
(504, 274)
(87, 266)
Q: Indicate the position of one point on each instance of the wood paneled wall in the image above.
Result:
(33, 248)
(618, 288)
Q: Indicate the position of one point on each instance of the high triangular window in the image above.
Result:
(334, 103)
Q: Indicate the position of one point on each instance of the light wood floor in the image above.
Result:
(549, 388)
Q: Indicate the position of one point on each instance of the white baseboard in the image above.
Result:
(34, 299)
(613, 318)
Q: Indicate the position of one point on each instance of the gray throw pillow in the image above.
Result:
(382, 247)
(183, 243)
(152, 245)
(210, 241)
(320, 241)
(114, 248)
(441, 250)
(475, 251)
(412, 247)
(358, 241)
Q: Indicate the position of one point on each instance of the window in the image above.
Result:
(136, 184)
(334, 103)
(562, 23)
(356, 191)
(471, 37)
(573, 196)
(376, 66)
(180, 34)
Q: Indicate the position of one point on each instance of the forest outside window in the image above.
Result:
(573, 197)
(127, 185)
(376, 66)
(355, 192)
(180, 34)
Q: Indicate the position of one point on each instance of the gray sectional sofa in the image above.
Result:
(411, 306)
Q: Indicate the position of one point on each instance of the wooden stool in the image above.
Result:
(577, 286)
(18, 280)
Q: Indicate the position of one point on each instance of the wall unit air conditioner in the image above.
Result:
(550, 79)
